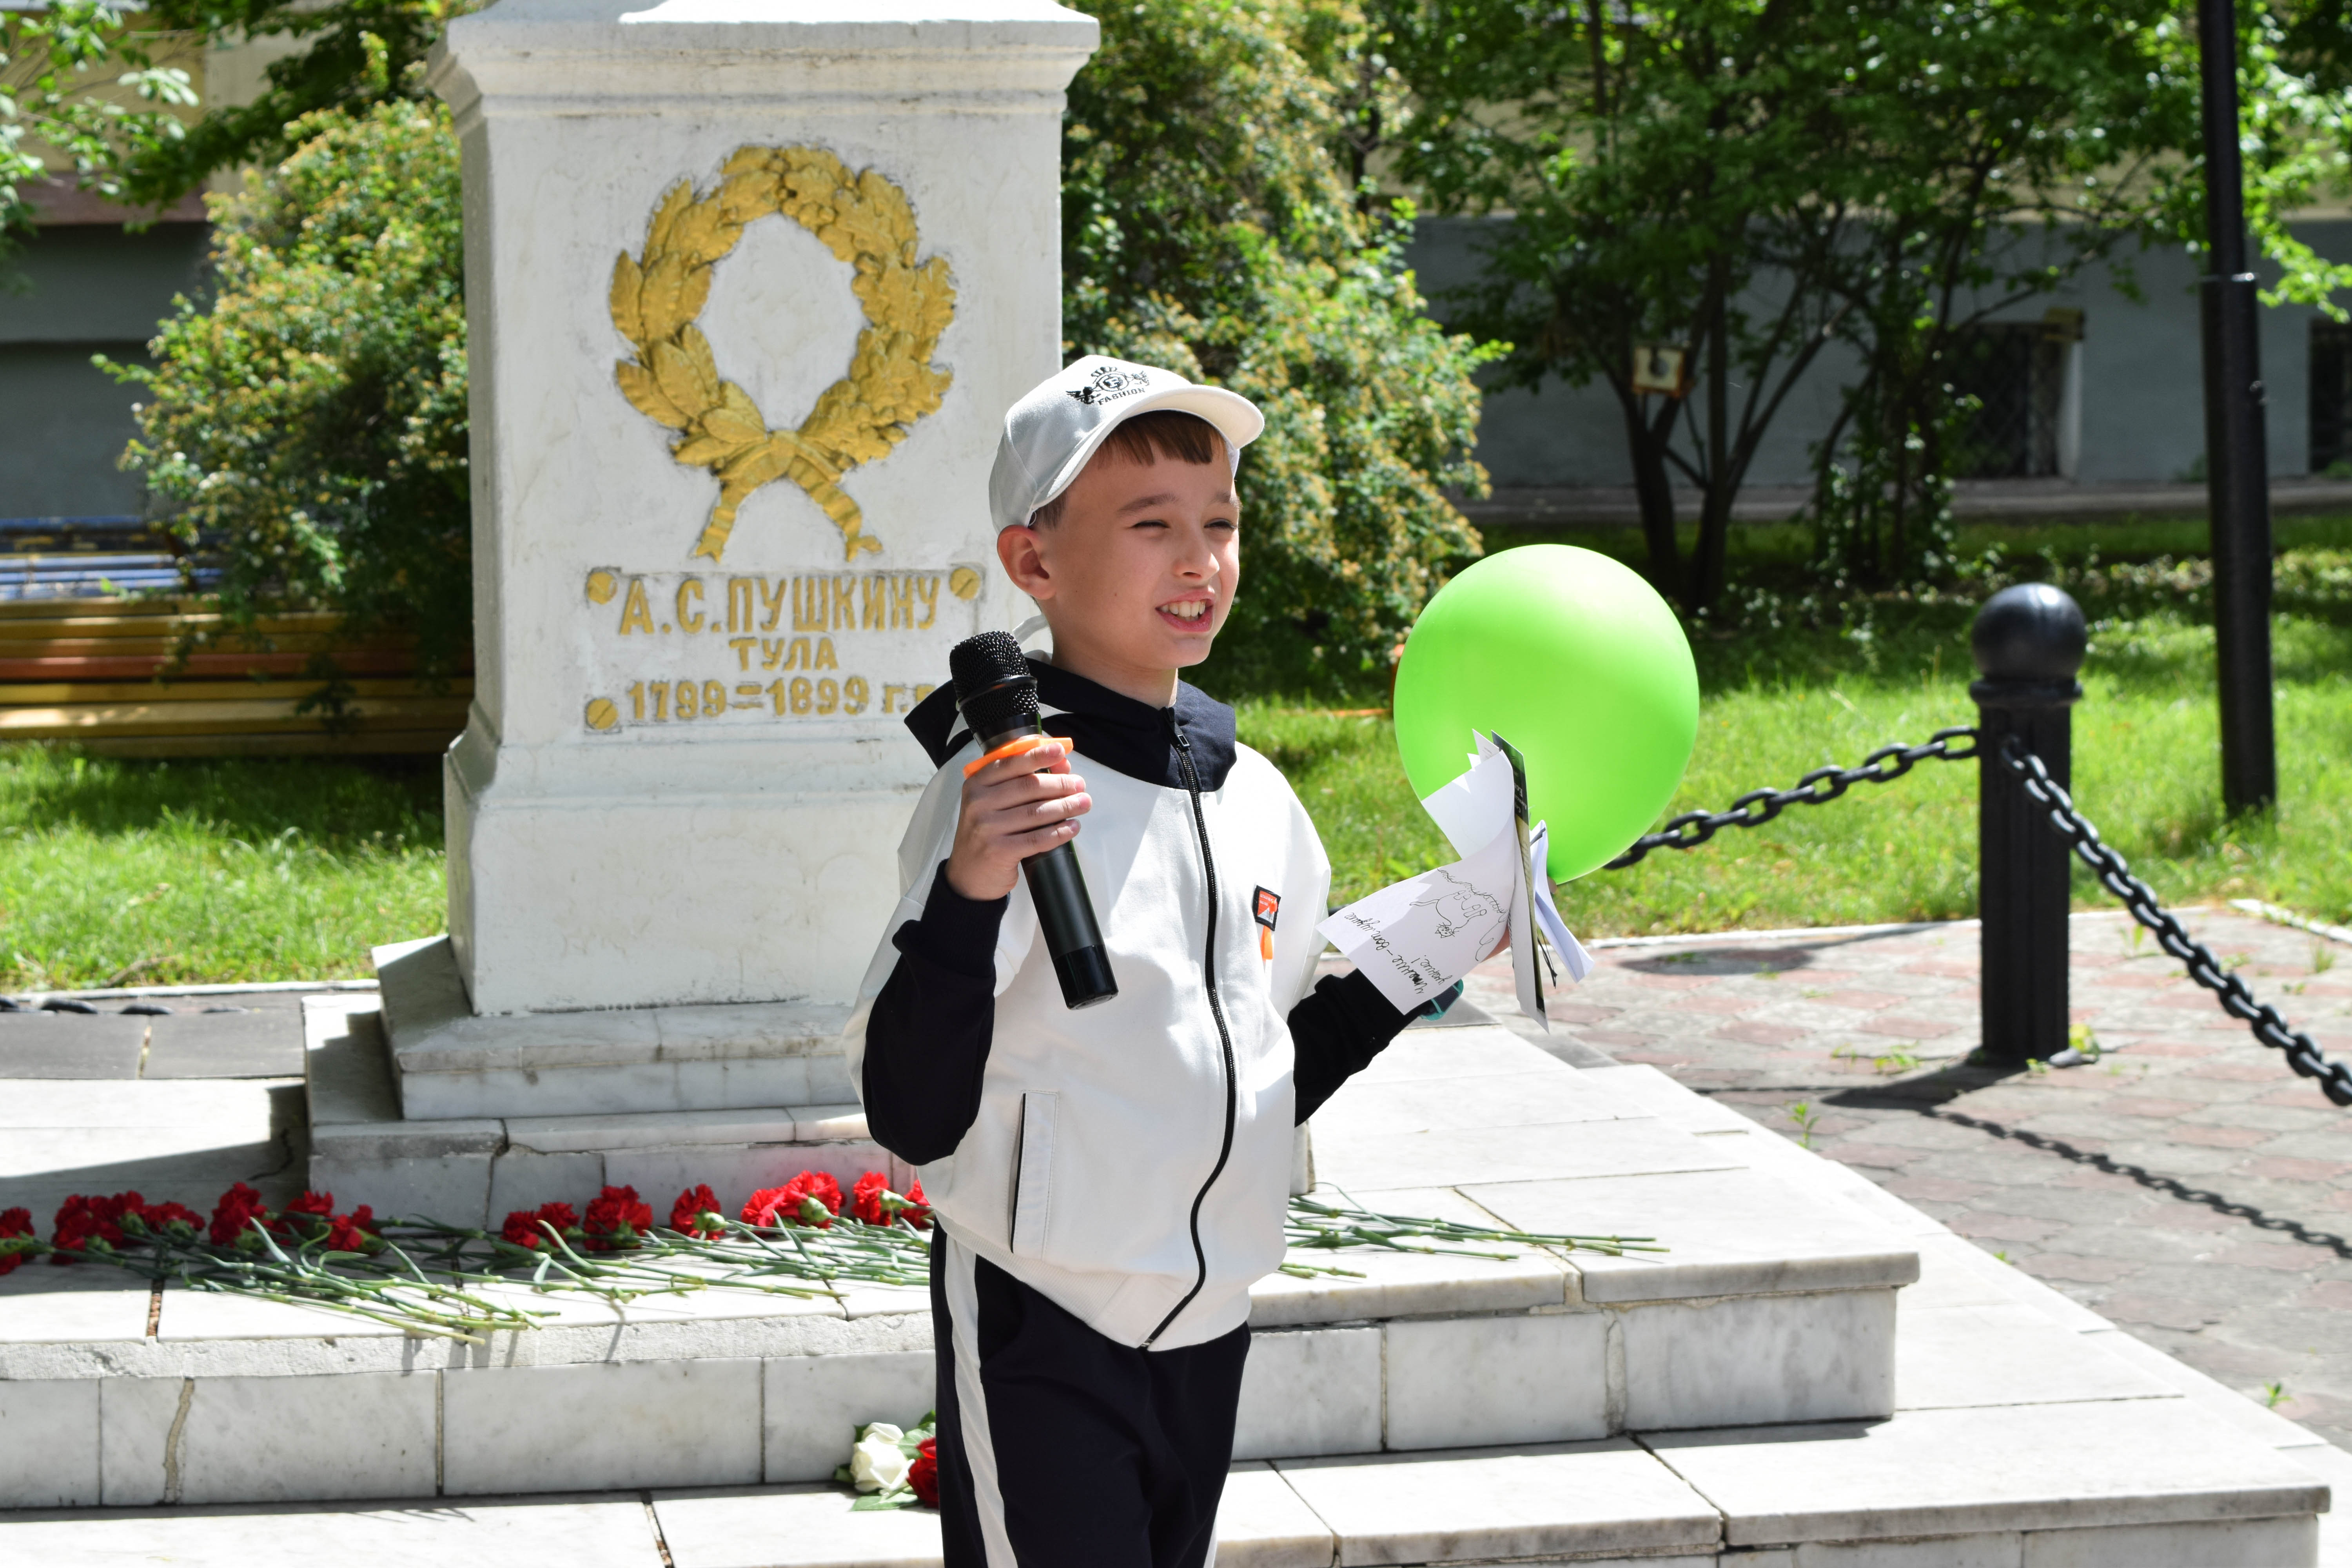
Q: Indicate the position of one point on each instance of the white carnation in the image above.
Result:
(877, 1464)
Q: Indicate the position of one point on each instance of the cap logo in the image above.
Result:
(1111, 382)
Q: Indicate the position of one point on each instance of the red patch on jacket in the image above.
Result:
(1266, 908)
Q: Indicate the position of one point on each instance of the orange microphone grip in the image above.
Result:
(1015, 747)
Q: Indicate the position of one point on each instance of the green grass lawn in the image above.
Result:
(1778, 700)
(2145, 772)
(129, 872)
(150, 873)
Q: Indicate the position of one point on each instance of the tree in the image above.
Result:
(56, 91)
(1663, 173)
(2032, 139)
(309, 423)
(1748, 181)
(356, 54)
(2009, 144)
(1210, 223)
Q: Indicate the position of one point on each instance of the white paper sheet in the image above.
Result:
(1473, 808)
(1564, 945)
(1415, 939)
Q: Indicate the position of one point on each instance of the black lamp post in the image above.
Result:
(2237, 464)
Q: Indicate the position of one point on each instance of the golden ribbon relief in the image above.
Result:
(863, 220)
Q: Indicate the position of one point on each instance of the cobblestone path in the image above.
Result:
(2186, 1184)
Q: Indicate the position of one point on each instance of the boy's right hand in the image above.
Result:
(1013, 808)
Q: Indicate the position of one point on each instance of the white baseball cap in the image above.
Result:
(1059, 424)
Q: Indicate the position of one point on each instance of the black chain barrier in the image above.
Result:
(1759, 806)
(2114, 872)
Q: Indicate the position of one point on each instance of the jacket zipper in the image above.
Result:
(1216, 1010)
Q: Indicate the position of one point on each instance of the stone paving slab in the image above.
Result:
(251, 1034)
(1260, 1523)
(594, 1531)
(1957, 1472)
(226, 1042)
(1962, 1357)
(70, 1044)
(1487, 1503)
(2186, 1185)
(185, 1139)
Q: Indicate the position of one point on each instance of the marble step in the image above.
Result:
(1775, 1304)
(473, 1170)
(2099, 1485)
(449, 1064)
(2027, 1431)
(2096, 1485)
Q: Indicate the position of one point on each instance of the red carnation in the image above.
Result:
(686, 1213)
(353, 1232)
(239, 1209)
(810, 1198)
(111, 1211)
(923, 1475)
(919, 1214)
(875, 1204)
(527, 1227)
(307, 1218)
(617, 1219)
(16, 1237)
(79, 1223)
(158, 1219)
(84, 1221)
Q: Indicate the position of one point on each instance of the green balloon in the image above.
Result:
(1575, 660)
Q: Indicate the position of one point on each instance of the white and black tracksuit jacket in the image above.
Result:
(1110, 1181)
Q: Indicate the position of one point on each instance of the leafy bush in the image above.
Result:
(1207, 225)
(309, 423)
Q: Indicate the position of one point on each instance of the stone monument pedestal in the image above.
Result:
(428, 1107)
(749, 289)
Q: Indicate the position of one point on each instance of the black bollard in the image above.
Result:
(2028, 642)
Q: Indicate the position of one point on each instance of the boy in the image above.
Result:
(1108, 1182)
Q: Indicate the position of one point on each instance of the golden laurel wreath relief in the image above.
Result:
(863, 220)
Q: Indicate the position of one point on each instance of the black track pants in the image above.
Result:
(1060, 1448)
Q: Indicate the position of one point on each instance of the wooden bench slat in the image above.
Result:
(287, 743)
(76, 720)
(84, 671)
(61, 621)
(56, 694)
(54, 667)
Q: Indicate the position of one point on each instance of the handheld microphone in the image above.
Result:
(998, 697)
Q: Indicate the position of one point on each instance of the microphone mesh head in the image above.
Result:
(993, 683)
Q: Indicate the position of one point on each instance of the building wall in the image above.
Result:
(2141, 390)
(85, 285)
(85, 289)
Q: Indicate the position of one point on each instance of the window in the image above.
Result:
(2016, 371)
(2331, 396)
